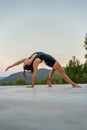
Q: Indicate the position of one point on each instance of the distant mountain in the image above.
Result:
(42, 73)
(2, 78)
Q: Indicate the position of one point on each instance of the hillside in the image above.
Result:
(42, 73)
(2, 78)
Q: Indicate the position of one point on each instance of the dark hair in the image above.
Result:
(24, 74)
(28, 67)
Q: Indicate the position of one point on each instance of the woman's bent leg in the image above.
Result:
(58, 67)
(50, 77)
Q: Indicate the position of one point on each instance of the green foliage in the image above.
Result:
(85, 73)
(10, 83)
(76, 71)
(43, 81)
(57, 79)
(4, 84)
(85, 42)
(7, 83)
(20, 82)
(85, 45)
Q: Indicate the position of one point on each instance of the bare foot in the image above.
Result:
(49, 83)
(76, 86)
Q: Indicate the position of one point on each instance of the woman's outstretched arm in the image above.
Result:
(16, 63)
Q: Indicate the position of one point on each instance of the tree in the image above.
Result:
(20, 82)
(85, 64)
(85, 72)
(75, 70)
(85, 45)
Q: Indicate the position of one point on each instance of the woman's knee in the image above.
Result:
(59, 68)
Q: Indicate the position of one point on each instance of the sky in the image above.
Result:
(57, 27)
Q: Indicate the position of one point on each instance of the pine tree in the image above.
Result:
(85, 45)
(74, 70)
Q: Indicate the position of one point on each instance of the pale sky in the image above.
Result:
(57, 27)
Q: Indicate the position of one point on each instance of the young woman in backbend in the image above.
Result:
(35, 59)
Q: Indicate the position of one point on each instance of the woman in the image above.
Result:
(33, 62)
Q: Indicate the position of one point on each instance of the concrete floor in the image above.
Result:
(42, 108)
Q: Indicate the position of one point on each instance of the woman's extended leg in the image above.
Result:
(58, 67)
(50, 77)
